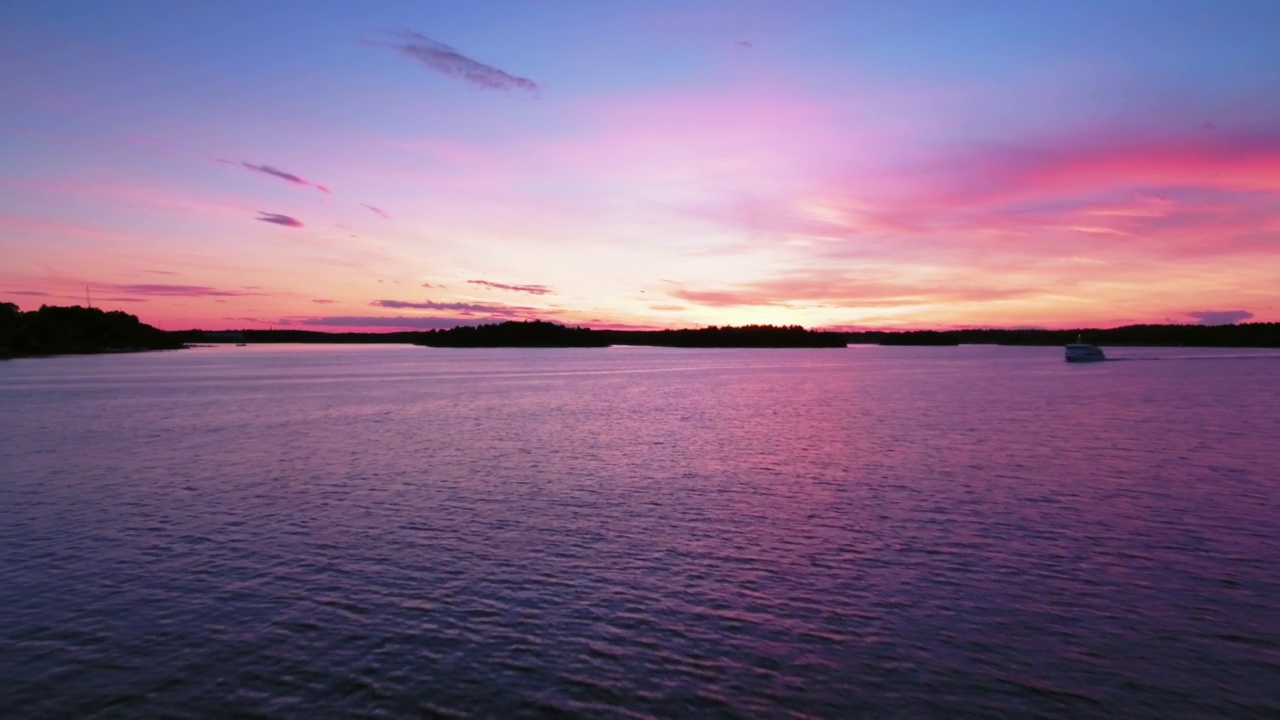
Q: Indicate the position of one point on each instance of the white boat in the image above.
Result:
(1081, 351)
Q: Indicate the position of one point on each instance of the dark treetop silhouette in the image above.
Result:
(538, 333)
(1244, 335)
(58, 330)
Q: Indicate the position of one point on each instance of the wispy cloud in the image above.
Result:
(178, 290)
(279, 219)
(400, 322)
(323, 301)
(530, 289)
(377, 211)
(31, 293)
(444, 60)
(286, 176)
(461, 307)
(1220, 317)
(160, 272)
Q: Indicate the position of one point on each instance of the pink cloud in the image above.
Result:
(530, 289)
(1098, 163)
(286, 176)
(381, 323)
(279, 219)
(495, 309)
(179, 290)
(1125, 200)
(1220, 317)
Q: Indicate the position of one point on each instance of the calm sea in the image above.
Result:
(640, 532)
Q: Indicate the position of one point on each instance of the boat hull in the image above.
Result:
(1084, 353)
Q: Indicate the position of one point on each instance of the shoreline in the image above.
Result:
(4, 355)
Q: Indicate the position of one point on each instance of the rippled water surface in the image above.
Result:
(635, 532)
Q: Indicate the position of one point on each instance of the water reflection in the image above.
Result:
(917, 531)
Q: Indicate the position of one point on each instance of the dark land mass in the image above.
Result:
(536, 333)
(747, 336)
(539, 333)
(313, 337)
(544, 334)
(58, 330)
(70, 330)
(1244, 335)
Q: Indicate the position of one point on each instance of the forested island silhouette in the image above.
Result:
(540, 333)
(55, 330)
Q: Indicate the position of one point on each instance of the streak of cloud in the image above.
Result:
(377, 211)
(1106, 160)
(462, 307)
(279, 219)
(399, 322)
(178, 290)
(286, 176)
(1220, 317)
(530, 289)
(443, 60)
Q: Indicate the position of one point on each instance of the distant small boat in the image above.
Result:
(1081, 351)
(241, 345)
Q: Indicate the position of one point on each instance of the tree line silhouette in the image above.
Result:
(55, 330)
(1243, 335)
(58, 330)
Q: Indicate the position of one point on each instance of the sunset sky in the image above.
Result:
(421, 164)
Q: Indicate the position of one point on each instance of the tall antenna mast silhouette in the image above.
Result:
(88, 300)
